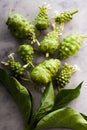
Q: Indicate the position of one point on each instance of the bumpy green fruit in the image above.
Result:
(45, 71)
(50, 43)
(70, 45)
(64, 76)
(64, 17)
(21, 27)
(26, 53)
(15, 67)
(41, 20)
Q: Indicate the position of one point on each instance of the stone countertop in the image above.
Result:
(10, 116)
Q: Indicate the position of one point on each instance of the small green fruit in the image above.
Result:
(45, 71)
(50, 43)
(64, 17)
(70, 46)
(26, 53)
(41, 20)
(65, 74)
(15, 67)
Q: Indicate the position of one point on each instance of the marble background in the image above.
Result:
(10, 116)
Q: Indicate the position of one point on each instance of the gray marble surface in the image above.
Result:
(10, 116)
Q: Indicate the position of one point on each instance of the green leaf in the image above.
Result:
(47, 103)
(65, 96)
(63, 118)
(19, 93)
(84, 116)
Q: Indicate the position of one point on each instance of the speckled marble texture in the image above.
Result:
(10, 116)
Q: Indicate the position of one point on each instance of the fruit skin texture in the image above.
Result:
(41, 20)
(50, 43)
(26, 53)
(45, 71)
(16, 68)
(21, 27)
(65, 74)
(64, 16)
(69, 46)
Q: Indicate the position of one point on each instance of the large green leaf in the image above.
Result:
(19, 93)
(47, 103)
(63, 118)
(65, 96)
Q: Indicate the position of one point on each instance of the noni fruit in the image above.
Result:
(15, 67)
(26, 52)
(64, 17)
(65, 74)
(21, 27)
(42, 20)
(70, 45)
(50, 43)
(45, 71)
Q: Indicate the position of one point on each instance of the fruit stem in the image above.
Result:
(83, 36)
(62, 26)
(47, 54)
(37, 42)
(26, 65)
(25, 79)
(74, 12)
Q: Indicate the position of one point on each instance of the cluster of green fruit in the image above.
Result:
(45, 71)
(52, 111)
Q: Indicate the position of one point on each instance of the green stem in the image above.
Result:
(32, 65)
(24, 79)
(74, 12)
(83, 36)
(37, 42)
(61, 26)
(26, 65)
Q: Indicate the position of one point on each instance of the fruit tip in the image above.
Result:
(11, 55)
(48, 6)
(76, 68)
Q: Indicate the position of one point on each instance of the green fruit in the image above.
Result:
(15, 67)
(26, 53)
(45, 71)
(70, 45)
(64, 17)
(41, 20)
(21, 27)
(50, 43)
(65, 74)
